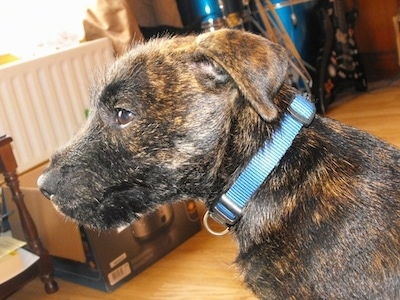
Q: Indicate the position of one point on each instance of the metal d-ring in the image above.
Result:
(205, 222)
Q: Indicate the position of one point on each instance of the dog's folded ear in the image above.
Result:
(256, 65)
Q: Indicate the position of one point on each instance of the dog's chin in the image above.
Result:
(100, 220)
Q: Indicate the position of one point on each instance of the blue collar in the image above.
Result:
(228, 209)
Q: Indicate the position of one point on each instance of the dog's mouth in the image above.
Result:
(103, 217)
(92, 200)
(116, 206)
(47, 194)
(110, 192)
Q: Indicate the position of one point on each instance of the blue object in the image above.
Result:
(198, 11)
(228, 209)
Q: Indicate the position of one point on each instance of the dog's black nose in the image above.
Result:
(48, 182)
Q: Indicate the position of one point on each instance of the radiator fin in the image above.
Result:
(43, 100)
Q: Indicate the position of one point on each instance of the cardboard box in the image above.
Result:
(102, 260)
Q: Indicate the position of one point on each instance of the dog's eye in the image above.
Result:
(123, 117)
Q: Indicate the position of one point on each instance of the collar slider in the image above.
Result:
(302, 110)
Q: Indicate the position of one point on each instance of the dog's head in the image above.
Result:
(168, 121)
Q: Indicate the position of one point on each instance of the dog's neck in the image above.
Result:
(227, 210)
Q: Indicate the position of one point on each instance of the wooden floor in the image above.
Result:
(202, 267)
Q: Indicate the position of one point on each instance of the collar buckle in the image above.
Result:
(226, 211)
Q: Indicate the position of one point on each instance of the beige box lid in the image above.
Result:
(60, 236)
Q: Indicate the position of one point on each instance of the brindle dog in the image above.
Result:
(181, 117)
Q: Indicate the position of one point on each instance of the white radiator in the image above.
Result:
(43, 100)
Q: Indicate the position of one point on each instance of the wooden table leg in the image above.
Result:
(8, 167)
